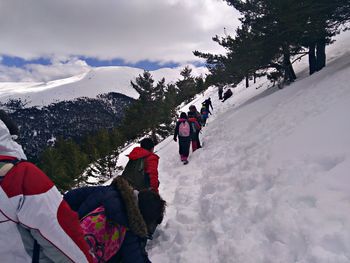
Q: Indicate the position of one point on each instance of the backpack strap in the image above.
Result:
(6, 166)
(36, 252)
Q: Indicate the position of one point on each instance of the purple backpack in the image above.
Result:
(104, 238)
(184, 129)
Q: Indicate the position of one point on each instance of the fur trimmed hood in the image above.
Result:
(136, 221)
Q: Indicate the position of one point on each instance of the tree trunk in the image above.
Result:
(312, 59)
(254, 78)
(246, 81)
(321, 54)
(289, 74)
(292, 72)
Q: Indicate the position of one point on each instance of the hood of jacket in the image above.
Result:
(8, 146)
(135, 219)
(139, 152)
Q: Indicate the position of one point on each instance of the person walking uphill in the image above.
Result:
(184, 133)
(134, 214)
(195, 113)
(36, 224)
(208, 104)
(142, 169)
(220, 91)
(204, 114)
(195, 130)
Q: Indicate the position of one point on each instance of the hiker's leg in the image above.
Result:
(187, 147)
(198, 142)
(194, 145)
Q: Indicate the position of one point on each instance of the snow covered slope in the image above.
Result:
(96, 81)
(272, 182)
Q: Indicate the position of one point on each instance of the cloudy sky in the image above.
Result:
(58, 38)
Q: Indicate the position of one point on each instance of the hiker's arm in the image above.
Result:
(176, 131)
(198, 126)
(131, 250)
(45, 213)
(84, 200)
(76, 198)
(152, 170)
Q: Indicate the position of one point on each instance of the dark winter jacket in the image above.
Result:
(227, 94)
(204, 113)
(195, 127)
(151, 164)
(198, 116)
(121, 207)
(207, 104)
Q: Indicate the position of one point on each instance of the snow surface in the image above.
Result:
(272, 182)
(89, 84)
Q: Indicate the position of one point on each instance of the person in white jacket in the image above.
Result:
(36, 224)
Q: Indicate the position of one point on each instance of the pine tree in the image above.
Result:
(54, 167)
(159, 90)
(186, 86)
(101, 170)
(144, 86)
(273, 35)
(295, 25)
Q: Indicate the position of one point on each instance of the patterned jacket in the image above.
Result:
(121, 208)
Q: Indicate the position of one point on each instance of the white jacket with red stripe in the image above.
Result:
(31, 208)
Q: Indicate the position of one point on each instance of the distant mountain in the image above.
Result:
(40, 127)
(96, 81)
(74, 107)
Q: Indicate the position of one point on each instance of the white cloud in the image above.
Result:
(42, 73)
(134, 30)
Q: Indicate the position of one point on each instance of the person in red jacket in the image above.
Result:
(36, 224)
(146, 150)
(196, 128)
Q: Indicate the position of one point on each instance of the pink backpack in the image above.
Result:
(103, 237)
(184, 129)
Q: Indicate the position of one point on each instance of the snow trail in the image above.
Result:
(270, 183)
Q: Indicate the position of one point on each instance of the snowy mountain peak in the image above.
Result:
(88, 84)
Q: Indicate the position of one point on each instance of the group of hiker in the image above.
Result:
(109, 223)
(188, 127)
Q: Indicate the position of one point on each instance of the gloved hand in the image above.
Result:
(175, 139)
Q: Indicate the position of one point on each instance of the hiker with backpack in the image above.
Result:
(117, 219)
(184, 133)
(36, 224)
(204, 115)
(195, 130)
(142, 168)
(195, 112)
